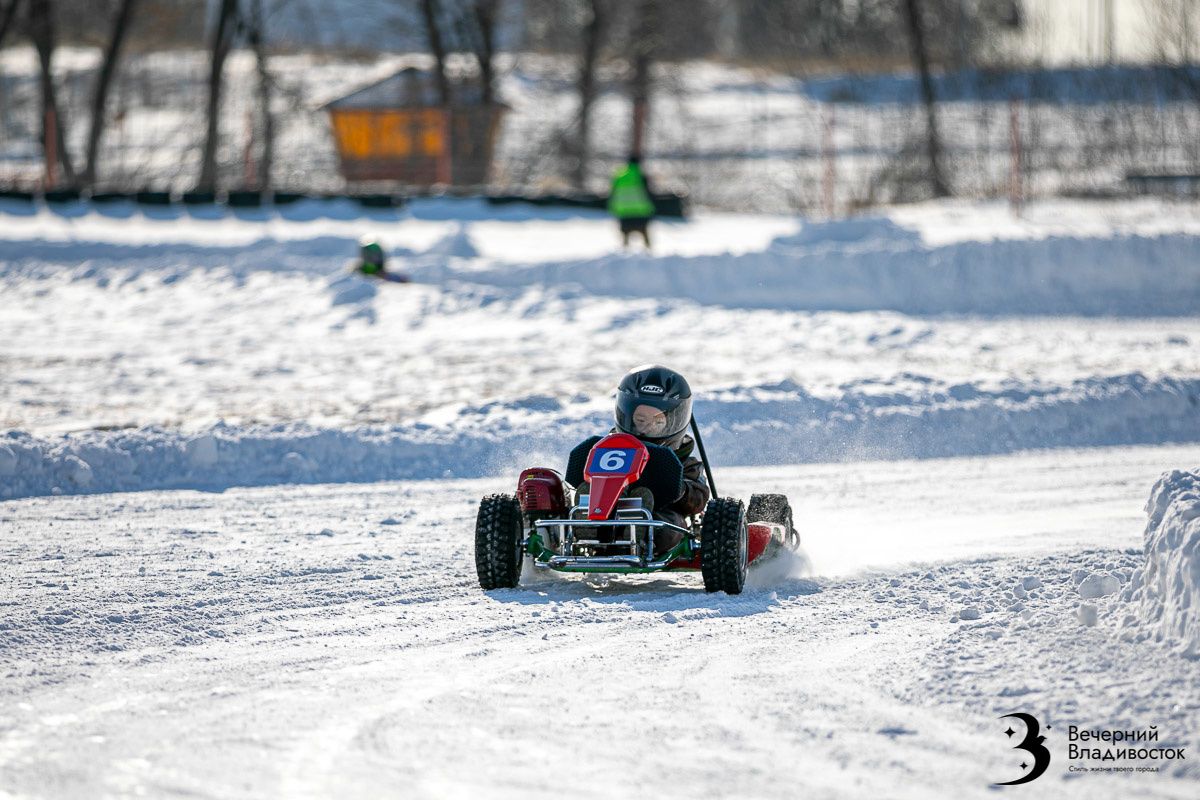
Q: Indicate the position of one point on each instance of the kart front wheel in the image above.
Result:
(724, 546)
(499, 542)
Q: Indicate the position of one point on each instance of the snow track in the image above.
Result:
(310, 641)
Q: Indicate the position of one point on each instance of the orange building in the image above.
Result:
(396, 130)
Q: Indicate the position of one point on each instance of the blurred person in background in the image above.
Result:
(372, 261)
(630, 201)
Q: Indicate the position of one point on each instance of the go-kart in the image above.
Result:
(608, 531)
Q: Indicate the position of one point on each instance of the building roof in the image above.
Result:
(408, 88)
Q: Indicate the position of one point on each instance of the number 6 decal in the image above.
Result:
(612, 460)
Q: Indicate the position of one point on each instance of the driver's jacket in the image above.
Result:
(695, 488)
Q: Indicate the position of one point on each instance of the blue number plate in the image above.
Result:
(612, 461)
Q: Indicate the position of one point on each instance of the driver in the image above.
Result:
(655, 405)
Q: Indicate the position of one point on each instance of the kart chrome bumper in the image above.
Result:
(635, 528)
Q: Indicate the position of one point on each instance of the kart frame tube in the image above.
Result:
(712, 486)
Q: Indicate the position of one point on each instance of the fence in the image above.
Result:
(727, 138)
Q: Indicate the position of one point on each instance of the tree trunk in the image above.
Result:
(485, 22)
(430, 9)
(592, 34)
(222, 39)
(7, 17)
(100, 98)
(643, 53)
(921, 62)
(41, 30)
(257, 35)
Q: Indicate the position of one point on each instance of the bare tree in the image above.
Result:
(645, 36)
(41, 30)
(103, 81)
(475, 30)
(221, 43)
(430, 10)
(485, 47)
(593, 33)
(256, 35)
(921, 62)
(6, 18)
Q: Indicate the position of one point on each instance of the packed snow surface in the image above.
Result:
(967, 411)
(331, 640)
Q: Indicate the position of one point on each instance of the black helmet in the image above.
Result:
(665, 400)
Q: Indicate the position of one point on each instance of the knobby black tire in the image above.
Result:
(499, 535)
(774, 508)
(723, 546)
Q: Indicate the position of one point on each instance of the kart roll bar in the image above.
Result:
(704, 458)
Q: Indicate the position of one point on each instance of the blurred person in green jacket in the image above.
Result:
(372, 261)
(630, 201)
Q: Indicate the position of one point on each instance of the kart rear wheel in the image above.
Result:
(776, 509)
(724, 546)
(499, 542)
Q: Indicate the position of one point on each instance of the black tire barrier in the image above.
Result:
(378, 200)
(152, 198)
(61, 196)
(110, 197)
(665, 205)
(244, 199)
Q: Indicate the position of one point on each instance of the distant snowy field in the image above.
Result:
(968, 410)
(940, 330)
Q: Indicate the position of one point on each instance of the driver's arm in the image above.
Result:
(695, 489)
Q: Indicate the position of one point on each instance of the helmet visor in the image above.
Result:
(646, 418)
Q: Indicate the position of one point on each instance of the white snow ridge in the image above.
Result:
(746, 425)
(1168, 591)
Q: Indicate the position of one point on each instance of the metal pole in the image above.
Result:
(704, 457)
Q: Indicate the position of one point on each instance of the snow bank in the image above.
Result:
(1168, 589)
(764, 424)
(867, 264)
(939, 260)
